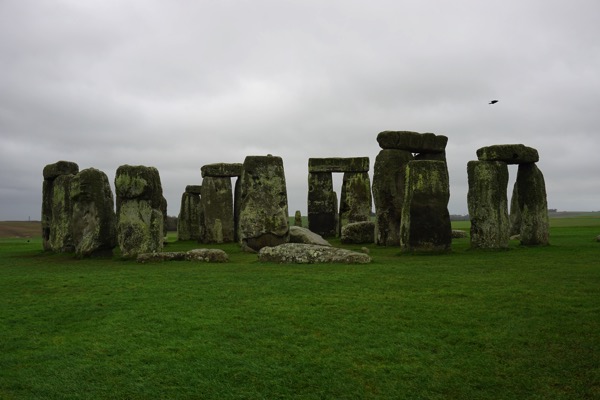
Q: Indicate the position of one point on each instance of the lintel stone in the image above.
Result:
(52, 171)
(508, 153)
(412, 141)
(193, 189)
(338, 164)
(222, 170)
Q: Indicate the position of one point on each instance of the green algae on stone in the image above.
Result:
(338, 164)
(217, 204)
(425, 225)
(94, 219)
(412, 141)
(355, 198)
(322, 204)
(263, 218)
(487, 202)
(389, 177)
(508, 153)
(533, 206)
(61, 235)
(188, 221)
(223, 170)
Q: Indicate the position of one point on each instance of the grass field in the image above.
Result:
(517, 324)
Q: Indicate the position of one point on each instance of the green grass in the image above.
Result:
(517, 324)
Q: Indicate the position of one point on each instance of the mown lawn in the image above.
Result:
(517, 324)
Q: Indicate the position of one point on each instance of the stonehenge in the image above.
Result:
(491, 226)
(410, 192)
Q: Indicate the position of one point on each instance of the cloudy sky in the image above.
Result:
(184, 83)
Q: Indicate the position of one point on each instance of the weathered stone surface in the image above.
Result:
(458, 234)
(487, 202)
(425, 225)
(322, 204)
(338, 164)
(412, 141)
(303, 235)
(388, 193)
(217, 210)
(515, 212)
(138, 182)
(358, 232)
(508, 153)
(297, 218)
(355, 199)
(50, 173)
(533, 205)
(140, 226)
(188, 221)
(93, 220)
(60, 238)
(298, 253)
(223, 170)
(204, 255)
(264, 218)
(598, 238)
(193, 189)
(53, 171)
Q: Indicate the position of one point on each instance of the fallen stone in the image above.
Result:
(508, 153)
(299, 234)
(412, 141)
(338, 164)
(223, 170)
(358, 232)
(598, 238)
(204, 255)
(298, 253)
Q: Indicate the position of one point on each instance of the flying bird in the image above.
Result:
(493, 102)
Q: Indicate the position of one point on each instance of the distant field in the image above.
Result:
(20, 229)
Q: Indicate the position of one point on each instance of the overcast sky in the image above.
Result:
(180, 84)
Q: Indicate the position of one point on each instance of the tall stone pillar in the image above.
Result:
(188, 221)
(533, 205)
(264, 218)
(425, 225)
(388, 193)
(487, 202)
(322, 204)
(355, 199)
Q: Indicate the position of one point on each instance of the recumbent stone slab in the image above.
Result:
(222, 170)
(338, 164)
(412, 141)
(508, 153)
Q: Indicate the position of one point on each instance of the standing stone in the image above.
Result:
(139, 204)
(188, 221)
(217, 205)
(50, 173)
(94, 219)
(425, 225)
(533, 205)
(515, 212)
(355, 199)
(487, 202)
(264, 218)
(61, 233)
(322, 204)
(298, 218)
(388, 194)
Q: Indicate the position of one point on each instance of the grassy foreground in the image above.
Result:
(516, 324)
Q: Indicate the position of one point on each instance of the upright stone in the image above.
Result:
(298, 218)
(188, 221)
(487, 202)
(322, 204)
(217, 205)
(388, 194)
(355, 199)
(61, 232)
(264, 218)
(425, 225)
(139, 204)
(515, 212)
(50, 173)
(94, 220)
(533, 205)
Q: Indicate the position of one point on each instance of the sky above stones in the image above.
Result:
(180, 84)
